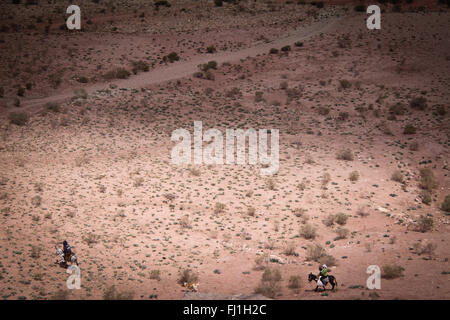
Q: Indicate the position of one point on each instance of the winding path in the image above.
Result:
(183, 69)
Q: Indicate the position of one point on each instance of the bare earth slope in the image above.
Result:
(351, 190)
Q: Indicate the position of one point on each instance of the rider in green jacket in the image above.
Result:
(323, 273)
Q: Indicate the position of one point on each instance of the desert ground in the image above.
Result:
(86, 119)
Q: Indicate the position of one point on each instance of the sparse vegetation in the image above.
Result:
(219, 208)
(111, 293)
(187, 276)
(354, 176)
(397, 176)
(270, 283)
(391, 271)
(446, 204)
(308, 231)
(424, 249)
(171, 57)
(294, 282)
(419, 103)
(118, 73)
(346, 155)
(427, 179)
(19, 118)
(424, 223)
(409, 129)
(341, 218)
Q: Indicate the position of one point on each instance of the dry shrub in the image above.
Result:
(424, 224)
(308, 232)
(329, 220)
(271, 184)
(392, 271)
(419, 103)
(195, 171)
(294, 282)
(112, 293)
(261, 262)
(289, 250)
(36, 201)
(409, 129)
(427, 248)
(314, 252)
(270, 283)
(327, 259)
(185, 223)
(362, 212)
(219, 208)
(346, 155)
(427, 179)
(325, 179)
(19, 118)
(251, 211)
(354, 176)
(342, 233)
(425, 196)
(35, 251)
(446, 204)
(341, 218)
(82, 160)
(187, 276)
(155, 275)
(52, 106)
(299, 212)
(118, 73)
(414, 146)
(60, 295)
(397, 176)
(91, 238)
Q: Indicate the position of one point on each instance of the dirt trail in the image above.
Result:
(183, 69)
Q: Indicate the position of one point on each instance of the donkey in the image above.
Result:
(331, 279)
(63, 259)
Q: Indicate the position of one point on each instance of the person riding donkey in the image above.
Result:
(66, 250)
(323, 274)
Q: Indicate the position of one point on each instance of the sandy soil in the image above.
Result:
(92, 164)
